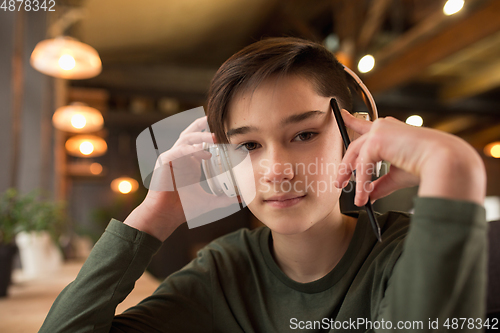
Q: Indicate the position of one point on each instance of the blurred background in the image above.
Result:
(433, 63)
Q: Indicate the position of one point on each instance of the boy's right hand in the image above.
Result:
(161, 212)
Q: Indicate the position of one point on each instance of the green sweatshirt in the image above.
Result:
(424, 273)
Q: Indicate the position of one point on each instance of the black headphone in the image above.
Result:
(218, 169)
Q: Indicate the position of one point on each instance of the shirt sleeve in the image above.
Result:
(441, 273)
(182, 303)
(117, 260)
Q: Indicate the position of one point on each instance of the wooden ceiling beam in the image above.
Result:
(414, 60)
(298, 24)
(478, 53)
(347, 22)
(429, 27)
(478, 82)
(457, 124)
(416, 100)
(480, 139)
(374, 19)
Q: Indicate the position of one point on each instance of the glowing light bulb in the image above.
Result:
(78, 121)
(415, 120)
(366, 63)
(453, 6)
(125, 187)
(86, 148)
(67, 62)
(495, 150)
(96, 168)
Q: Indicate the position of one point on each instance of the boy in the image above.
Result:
(311, 268)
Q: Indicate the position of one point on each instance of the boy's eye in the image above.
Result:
(306, 135)
(246, 146)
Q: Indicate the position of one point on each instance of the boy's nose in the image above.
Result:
(278, 167)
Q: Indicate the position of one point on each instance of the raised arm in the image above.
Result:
(117, 260)
(440, 277)
(124, 251)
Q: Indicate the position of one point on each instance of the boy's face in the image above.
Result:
(287, 159)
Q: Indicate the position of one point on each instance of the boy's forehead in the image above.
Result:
(273, 98)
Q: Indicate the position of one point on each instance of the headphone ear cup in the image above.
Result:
(211, 168)
(353, 135)
(218, 171)
(360, 115)
(232, 188)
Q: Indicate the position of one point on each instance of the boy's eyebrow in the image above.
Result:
(293, 119)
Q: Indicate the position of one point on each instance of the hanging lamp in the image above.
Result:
(77, 118)
(67, 58)
(124, 185)
(86, 146)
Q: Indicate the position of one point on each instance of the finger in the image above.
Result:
(202, 155)
(393, 119)
(383, 186)
(195, 138)
(394, 180)
(189, 150)
(348, 163)
(359, 126)
(179, 152)
(197, 125)
(364, 185)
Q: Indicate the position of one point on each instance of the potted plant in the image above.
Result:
(9, 226)
(35, 225)
(40, 228)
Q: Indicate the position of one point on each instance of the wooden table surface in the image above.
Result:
(29, 301)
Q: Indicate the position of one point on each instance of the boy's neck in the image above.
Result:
(312, 254)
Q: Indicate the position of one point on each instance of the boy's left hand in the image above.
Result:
(442, 164)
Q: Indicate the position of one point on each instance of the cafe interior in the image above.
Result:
(81, 79)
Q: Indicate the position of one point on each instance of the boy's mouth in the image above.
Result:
(284, 201)
(284, 197)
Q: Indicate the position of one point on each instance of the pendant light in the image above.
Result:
(124, 185)
(86, 146)
(77, 118)
(67, 58)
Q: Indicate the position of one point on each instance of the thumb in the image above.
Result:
(382, 187)
(394, 180)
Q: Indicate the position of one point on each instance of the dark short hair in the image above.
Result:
(271, 57)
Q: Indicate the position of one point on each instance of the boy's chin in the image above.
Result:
(288, 227)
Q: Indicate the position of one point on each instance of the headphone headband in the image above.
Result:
(356, 84)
